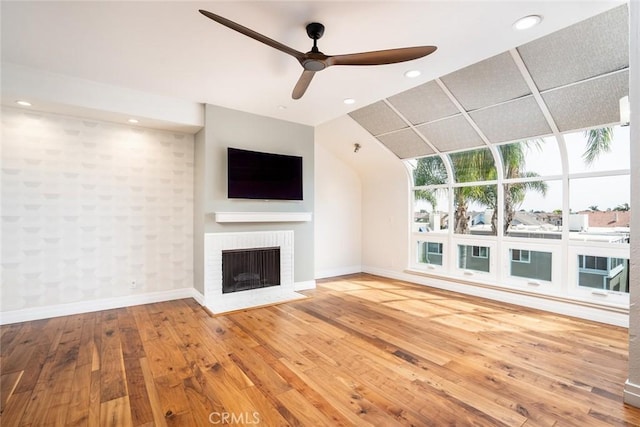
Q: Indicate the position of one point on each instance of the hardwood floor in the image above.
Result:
(360, 351)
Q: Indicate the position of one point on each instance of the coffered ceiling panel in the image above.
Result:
(511, 121)
(378, 118)
(424, 103)
(587, 49)
(450, 134)
(406, 144)
(591, 103)
(488, 82)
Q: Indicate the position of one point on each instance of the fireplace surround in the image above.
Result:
(252, 294)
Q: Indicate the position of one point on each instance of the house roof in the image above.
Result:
(608, 219)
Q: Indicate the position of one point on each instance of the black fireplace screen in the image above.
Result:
(244, 269)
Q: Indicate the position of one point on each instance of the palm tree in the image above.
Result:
(598, 142)
(514, 160)
(429, 171)
(469, 166)
(622, 208)
(478, 165)
(594, 208)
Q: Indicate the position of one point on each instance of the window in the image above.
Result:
(534, 205)
(430, 195)
(480, 251)
(434, 248)
(473, 165)
(520, 255)
(613, 155)
(610, 274)
(589, 262)
(474, 258)
(531, 264)
(429, 253)
(600, 210)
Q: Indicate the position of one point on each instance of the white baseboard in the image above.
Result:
(596, 314)
(632, 394)
(303, 286)
(196, 295)
(342, 271)
(45, 312)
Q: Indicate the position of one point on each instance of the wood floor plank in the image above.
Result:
(8, 385)
(116, 413)
(360, 350)
(112, 376)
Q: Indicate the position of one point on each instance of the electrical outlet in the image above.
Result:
(132, 284)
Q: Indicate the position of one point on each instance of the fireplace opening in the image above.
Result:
(244, 269)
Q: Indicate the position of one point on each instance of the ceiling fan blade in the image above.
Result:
(380, 57)
(303, 84)
(253, 34)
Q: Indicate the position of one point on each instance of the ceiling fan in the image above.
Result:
(314, 60)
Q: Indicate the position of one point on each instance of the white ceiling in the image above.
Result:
(169, 49)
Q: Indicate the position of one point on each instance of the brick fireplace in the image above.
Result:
(252, 282)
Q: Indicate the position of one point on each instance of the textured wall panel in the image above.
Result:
(451, 134)
(405, 144)
(516, 120)
(424, 103)
(592, 103)
(89, 206)
(587, 49)
(487, 82)
(378, 118)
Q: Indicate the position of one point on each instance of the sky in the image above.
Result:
(604, 192)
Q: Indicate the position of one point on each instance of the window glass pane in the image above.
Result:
(473, 258)
(474, 209)
(429, 252)
(473, 165)
(520, 256)
(537, 265)
(434, 248)
(429, 171)
(600, 209)
(538, 157)
(430, 210)
(533, 209)
(611, 155)
(603, 273)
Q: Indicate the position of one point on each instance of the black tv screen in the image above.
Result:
(268, 176)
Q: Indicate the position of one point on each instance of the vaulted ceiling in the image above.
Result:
(168, 49)
(570, 79)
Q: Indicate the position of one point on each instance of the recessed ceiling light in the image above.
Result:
(133, 121)
(412, 73)
(527, 22)
(349, 101)
(24, 103)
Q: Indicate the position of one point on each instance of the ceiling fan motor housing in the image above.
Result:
(315, 30)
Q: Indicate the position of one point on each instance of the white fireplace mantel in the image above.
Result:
(263, 216)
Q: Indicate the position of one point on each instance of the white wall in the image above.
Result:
(376, 188)
(338, 216)
(90, 206)
(632, 387)
(385, 224)
(225, 128)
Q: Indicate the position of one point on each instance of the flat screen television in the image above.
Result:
(267, 176)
